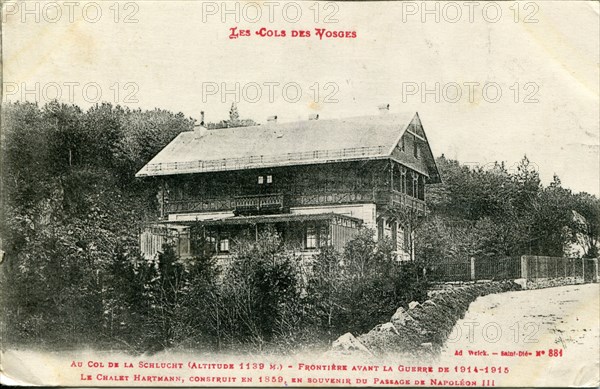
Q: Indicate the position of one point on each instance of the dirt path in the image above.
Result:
(546, 337)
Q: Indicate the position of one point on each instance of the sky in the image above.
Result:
(490, 81)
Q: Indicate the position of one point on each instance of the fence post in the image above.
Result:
(524, 267)
(472, 268)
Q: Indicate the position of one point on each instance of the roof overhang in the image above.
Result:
(263, 219)
(264, 161)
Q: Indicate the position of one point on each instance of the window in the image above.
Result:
(311, 238)
(402, 144)
(406, 241)
(403, 179)
(415, 191)
(224, 245)
(261, 180)
(415, 148)
(269, 179)
(387, 229)
(211, 242)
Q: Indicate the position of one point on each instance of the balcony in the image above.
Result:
(199, 205)
(334, 197)
(277, 203)
(271, 203)
(394, 198)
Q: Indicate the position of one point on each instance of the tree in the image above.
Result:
(362, 287)
(234, 115)
(233, 121)
(261, 291)
(589, 207)
(68, 228)
(323, 291)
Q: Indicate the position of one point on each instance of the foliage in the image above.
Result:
(361, 287)
(496, 213)
(70, 220)
(233, 121)
(72, 274)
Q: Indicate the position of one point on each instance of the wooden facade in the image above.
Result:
(311, 198)
(276, 190)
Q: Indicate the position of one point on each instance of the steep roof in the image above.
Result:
(282, 144)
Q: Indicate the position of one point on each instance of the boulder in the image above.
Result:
(347, 343)
(522, 282)
(413, 304)
(400, 317)
(388, 327)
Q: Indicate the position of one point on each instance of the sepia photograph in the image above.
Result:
(300, 193)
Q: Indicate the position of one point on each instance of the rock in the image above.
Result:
(388, 327)
(413, 305)
(427, 346)
(522, 282)
(400, 317)
(348, 343)
(430, 303)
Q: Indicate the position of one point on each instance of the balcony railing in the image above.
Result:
(262, 160)
(404, 200)
(199, 205)
(358, 196)
(258, 203)
(272, 203)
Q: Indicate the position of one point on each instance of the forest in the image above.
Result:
(72, 275)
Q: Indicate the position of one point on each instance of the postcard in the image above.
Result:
(300, 193)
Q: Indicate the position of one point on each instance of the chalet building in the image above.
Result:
(316, 182)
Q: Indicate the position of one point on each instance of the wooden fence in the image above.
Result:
(529, 267)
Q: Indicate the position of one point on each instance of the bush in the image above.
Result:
(260, 292)
(362, 287)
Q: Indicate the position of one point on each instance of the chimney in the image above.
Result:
(384, 108)
(314, 116)
(199, 129)
(272, 119)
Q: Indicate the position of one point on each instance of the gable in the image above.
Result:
(413, 151)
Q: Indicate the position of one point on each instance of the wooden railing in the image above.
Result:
(200, 205)
(261, 160)
(395, 198)
(332, 198)
(258, 203)
(278, 202)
